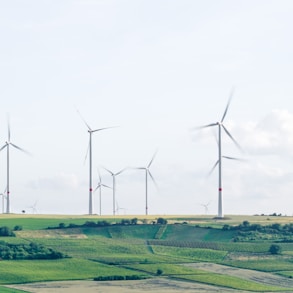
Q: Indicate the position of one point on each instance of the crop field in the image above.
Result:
(197, 250)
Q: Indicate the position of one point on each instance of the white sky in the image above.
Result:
(155, 69)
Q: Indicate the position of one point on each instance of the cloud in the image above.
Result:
(57, 182)
(273, 135)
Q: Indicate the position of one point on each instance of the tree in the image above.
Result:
(162, 221)
(275, 249)
(159, 272)
(134, 221)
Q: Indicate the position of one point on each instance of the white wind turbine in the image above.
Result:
(33, 207)
(7, 145)
(99, 186)
(114, 186)
(91, 131)
(221, 126)
(147, 174)
(206, 207)
(119, 208)
(3, 198)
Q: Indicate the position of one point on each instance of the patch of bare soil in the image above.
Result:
(159, 285)
(256, 276)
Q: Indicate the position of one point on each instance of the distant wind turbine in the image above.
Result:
(3, 197)
(99, 186)
(7, 145)
(206, 207)
(119, 208)
(221, 126)
(147, 174)
(33, 207)
(114, 186)
(91, 131)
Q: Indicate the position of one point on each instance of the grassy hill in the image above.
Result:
(147, 249)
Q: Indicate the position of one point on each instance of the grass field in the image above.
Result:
(142, 249)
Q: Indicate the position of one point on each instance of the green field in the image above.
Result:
(145, 248)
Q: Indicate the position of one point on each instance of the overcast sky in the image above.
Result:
(156, 69)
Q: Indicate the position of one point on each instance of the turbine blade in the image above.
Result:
(109, 171)
(99, 129)
(99, 175)
(137, 168)
(205, 126)
(228, 105)
(21, 149)
(87, 151)
(120, 171)
(3, 147)
(153, 179)
(8, 125)
(152, 159)
(233, 139)
(98, 186)
(211, 171)
(232, 158)
(89, 128)
(106, 186)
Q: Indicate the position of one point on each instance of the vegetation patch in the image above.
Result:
(191, 253)
(121, 278)
(111, 248)
(25, 271)
(168, 269)
(230, 282)
(256, 232)
(265, 265)
(27, 251)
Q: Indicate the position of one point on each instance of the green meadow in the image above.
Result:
(147, 249)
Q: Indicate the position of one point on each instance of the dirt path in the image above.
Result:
(157, 285)
(257, 276)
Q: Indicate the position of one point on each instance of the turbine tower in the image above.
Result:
(114, 186)
(99, 186)
(147, 174)
(91, 131)
(7, 145)
(221, 126)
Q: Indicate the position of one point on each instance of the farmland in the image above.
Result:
(233, 253)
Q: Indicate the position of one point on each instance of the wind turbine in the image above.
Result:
(99, 186)
(221, 126)
(114, 186)
(148, 173)
(206, 207)
(33, 207)
(7, 145)
(3, 197)
(91, 131)
(119, 208)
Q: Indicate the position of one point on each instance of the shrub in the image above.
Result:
(159, 272)
(162, 221)
(134, 221)
(17, 228)
(61, 225)
(5, 231)
(275, 249)
(119, 278)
